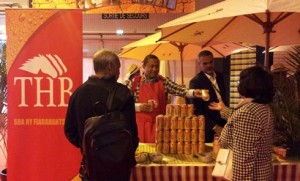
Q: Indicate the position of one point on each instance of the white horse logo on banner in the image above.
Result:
(49, 64)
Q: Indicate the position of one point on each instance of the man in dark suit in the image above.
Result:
(213, 81)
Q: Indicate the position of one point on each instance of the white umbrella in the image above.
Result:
(266, 23)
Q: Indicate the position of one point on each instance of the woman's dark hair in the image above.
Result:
(148, 57)
(257, 83)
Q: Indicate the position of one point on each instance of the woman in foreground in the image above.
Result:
(249, 129)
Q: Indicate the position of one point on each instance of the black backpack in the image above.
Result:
(107, 146)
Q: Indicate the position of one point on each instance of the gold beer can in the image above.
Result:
(166, 147)
(187, 148)
(194, 147)
(180, 135)
(180, 147)
(180, 123)
(177, 110)
(169, 110)
(173, 146)
(159, 147)
(173, 135)
(159, 136)
(190, 110)
(194, 135)
(187, 135)
(202, 135)
(159, 122)
(167, 122)
(173, 122)
(166, 136)
(201, 147)
(183, 110)
(194, 122)
(201, 122)
(187, 123)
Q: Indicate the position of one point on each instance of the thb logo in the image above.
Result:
(51, 90)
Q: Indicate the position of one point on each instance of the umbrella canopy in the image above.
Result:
(266, 23)
(166, 50)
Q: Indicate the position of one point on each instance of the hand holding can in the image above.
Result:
(205, 94)
(153, 104)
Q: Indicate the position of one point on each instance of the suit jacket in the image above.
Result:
(200, 81)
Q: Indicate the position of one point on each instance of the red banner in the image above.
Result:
(44, 54)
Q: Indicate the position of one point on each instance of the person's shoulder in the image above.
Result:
(81, 87)
(197, 76)
(219, 73)
(123, 88)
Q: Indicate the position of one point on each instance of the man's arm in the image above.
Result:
(71, 126)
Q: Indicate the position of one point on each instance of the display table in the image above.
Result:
(179, 167)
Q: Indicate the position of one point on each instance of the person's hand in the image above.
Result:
(218, 129)
(204, 94)
(146, 107)
(198, 93)
(218, 106)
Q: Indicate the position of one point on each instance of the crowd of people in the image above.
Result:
(246, 130)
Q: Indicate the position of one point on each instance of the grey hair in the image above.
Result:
(103, 58)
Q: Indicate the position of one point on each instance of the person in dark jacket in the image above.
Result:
(212, 81)
(97, 88)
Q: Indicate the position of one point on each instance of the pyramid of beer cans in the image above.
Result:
(180, 131)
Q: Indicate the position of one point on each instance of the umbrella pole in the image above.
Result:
(268, 26)
(181, 61)
(267, 60)
(180, 47)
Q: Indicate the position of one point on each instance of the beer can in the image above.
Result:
(177, 110)
(194, 122)
(183, 110)
(180, 147)
(166, 147)
(194, 147)
(166, 136)
(187, 135)
(194, 135)
(167, 122)
(180, 135)
(187, 148)
(190, 110)
(169, 110)
(201, 122)
(201, 147)
(173, 146)
(187, 123)
(173, 122)
(216, 144)
(159, 122)
(159, 147)
(159, 137)
(202, 135)
(173, 135)
(205, 95)
(180, 123)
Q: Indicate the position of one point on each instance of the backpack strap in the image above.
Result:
(111, 97)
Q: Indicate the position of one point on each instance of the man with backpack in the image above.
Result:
(83, 104)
